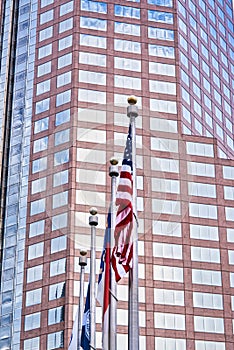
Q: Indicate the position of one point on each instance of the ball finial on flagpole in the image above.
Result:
(93, 211)
(114, 161)
(132, 100)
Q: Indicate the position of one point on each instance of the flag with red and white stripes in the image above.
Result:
(122, 253)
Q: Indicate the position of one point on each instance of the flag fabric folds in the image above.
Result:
(103, 292)
(122, 253)
(74, 335)
(85, 333)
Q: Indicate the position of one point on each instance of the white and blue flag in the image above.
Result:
(85, 334)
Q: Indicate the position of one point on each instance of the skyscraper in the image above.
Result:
(66, 70)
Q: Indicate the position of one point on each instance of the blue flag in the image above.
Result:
(85, 334)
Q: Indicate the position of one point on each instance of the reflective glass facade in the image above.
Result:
(66, 73)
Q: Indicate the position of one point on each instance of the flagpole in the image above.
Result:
(93, 222)
(113, 173)
(82, 263)
(133, 341)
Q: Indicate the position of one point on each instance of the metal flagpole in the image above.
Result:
(114, 173)
(133, 341)
(82, 263)
(93, 222)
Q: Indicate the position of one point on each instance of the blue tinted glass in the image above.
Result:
(127, 11)
(161, 17)
(93, 6)
(167, 3)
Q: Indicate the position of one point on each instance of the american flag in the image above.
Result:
(103, 292)
(122, 253)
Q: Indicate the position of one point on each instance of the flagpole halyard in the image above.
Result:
(93, 222)
(82, 263)
(113, 173)
(133, 341)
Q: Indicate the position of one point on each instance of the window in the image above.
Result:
(46, 16)
(42, 106)
(39, 165)
(65, 60)
(59, 221)
(161, 51)
(165, 125)
(92, 59)
(170, 343)
(162, 34)
(165, 185)
(46, 3)
(32, 344)
(41, 125)
(127, 64)
(166, 250)
(33, 297)
(36, 228)
(38, 185)
(168, 273)
(57, 291)
(208, 300)
(208, 324)
(94, 6)
(210, 255)
(93, 41)
(201, 169)
(127, 29)
(168, 297)
(201, 189)
(162, 87)
(166, 206)
(66, 8)
(35, 250)
(46, 33)
(92, 77)
(64, 43)
(93, 23)
(55, 315)
(169, 321)
(61, 137)
(228, 192)
(57, 267)
(44, 51)
(229, 213)
(160, 17)
(66, 25)
(206, 277)
(55, 340)
(61, 157)
(209, 345)
(92, 96)
(163, 106)
(167, 3)
(127, 12)
(37, 206)
(63, 98)
(203, 210)
(127, 46)
(40, 144)
(167, 228)
(62, 117)
(228, 172)
(200, 149)
(127, 82)
(162, 69)
(204, 232)
(43, 69)
(60, 199)
(43, 87)
(60, 178)
(32, 321)
(164, 164)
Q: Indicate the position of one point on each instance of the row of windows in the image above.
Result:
(54, 341)
(57, 267)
